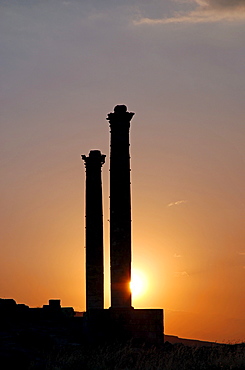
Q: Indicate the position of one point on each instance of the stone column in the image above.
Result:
(120, 207)
(94, 231)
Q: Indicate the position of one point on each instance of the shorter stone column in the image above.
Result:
(94, 231)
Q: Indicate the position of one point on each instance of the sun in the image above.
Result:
(138, 284)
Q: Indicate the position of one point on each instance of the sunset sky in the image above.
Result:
(180, 66)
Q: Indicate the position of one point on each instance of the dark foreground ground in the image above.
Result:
(49, 347)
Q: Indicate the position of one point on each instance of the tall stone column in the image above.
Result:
(94, 231)
(120, 207)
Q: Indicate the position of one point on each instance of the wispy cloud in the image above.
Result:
(181, 274)
(177, 203)
(241, 253)
(204, 11)
(177, 255)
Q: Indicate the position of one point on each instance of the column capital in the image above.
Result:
(120, 115)
(94, 157)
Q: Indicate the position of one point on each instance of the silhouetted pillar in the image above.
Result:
(94, 231)
(120, 207)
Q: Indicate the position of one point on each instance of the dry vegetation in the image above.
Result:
(167, 357)
(39, 348)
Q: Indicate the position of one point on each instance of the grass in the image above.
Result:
(167, 357)
(48, 348)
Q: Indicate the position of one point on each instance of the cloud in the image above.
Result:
(205, 11)
(177, 203)
(177, 255)
(222, 4)
(241, 253)
(181, 274)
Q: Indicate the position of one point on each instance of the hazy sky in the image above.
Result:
(179, 65)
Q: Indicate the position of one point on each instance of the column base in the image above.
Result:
(123, 324)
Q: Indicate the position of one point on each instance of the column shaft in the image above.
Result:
(120, 208)
(94, 231)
